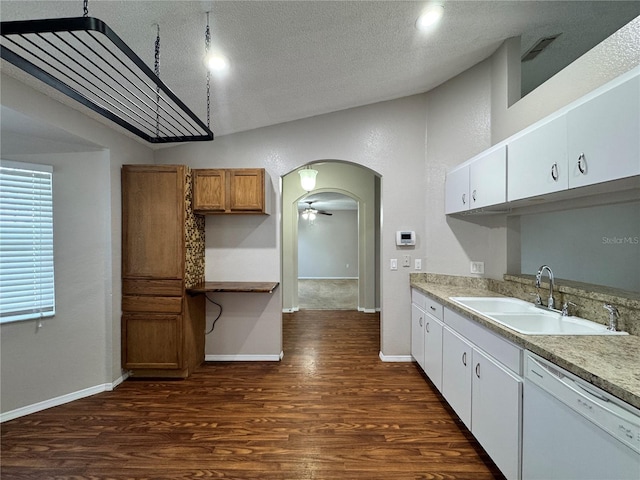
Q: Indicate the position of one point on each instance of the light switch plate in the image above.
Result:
(393, 264)
(418, 264)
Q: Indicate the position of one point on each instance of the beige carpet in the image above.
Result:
(328, 294)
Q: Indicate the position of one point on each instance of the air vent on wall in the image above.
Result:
(538, 47)
(85, 60)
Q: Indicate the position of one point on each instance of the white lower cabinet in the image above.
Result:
(433, 329)
(496, 412)
(417, 334)
(456, 374)
(484, 392)
(426, 335)
(478, 372)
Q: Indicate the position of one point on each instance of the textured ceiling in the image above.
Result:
(296, 59)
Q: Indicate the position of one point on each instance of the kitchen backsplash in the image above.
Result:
(589, 299)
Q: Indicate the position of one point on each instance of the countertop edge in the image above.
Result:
(234, 287)
(564, 351)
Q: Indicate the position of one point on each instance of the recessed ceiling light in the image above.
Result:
(216, 62)
(430, 17)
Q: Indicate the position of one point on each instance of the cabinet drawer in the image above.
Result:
(433, 308)
(164, 287)
(418, 298)
(139, 303)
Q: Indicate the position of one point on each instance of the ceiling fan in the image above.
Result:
(309, 213)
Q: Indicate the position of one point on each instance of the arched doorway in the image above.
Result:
(328, 251)
(359, 183)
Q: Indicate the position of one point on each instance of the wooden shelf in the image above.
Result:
(234, 287)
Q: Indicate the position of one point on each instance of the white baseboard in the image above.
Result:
(367, 310)
(61, 400)
(327, 278)
(395, 358)
(243, 358)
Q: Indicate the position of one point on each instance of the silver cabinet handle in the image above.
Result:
(432, 308)
(473, 195)
(420, 321)
(478, 370)
(464, 198)
(582, 164)
(464, 358)
(427, 327)
(554, 172)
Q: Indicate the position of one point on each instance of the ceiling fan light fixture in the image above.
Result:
(308, 178)
(430, 17)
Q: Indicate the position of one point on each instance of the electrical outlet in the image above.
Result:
(393, 264)
(477, 267)
(418, 264)
(406, 260)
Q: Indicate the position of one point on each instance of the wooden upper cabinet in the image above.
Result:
(153, 221)
(231, 191)
(209, 190)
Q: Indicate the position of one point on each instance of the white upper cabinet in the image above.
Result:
(604, 136)
(456, 198)
(537, 162)
(480, 183)
(488, 178)
(594, 140)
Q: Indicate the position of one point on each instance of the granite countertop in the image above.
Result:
(612, 363)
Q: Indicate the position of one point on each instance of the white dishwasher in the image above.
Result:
(573, 430)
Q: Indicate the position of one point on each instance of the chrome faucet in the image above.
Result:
(613, 317)
(550, 301)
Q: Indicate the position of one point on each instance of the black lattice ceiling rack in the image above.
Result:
(85, 60)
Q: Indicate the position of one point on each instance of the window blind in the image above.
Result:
(26, 241)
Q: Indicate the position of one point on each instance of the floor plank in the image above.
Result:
(329, 410)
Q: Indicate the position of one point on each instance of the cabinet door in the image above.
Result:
(153, 211)
(496, 413)
(603, 136)
(246, 190)
(417, 334)
(433, 350)
(209, 190)
(457, 191)
(456, 374)
(537, 161)
(151, 341)
(488, 179)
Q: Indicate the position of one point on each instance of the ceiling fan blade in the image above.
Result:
(322, 212)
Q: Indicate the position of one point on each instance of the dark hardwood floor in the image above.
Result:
(329, 410)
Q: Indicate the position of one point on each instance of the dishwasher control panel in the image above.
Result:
(608, 412)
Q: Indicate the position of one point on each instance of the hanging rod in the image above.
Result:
(85, 60)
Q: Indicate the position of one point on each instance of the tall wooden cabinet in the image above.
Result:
(162, 256)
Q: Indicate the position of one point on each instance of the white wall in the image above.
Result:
(79, 349)
(459, 127)
(68, 353)
(328, 246)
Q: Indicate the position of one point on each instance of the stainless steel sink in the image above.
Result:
(524, 317)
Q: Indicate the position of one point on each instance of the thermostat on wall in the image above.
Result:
(405, 238)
